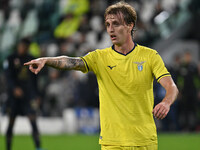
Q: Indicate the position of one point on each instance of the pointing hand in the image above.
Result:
(36, 65)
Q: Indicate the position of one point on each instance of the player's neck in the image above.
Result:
(125, 48)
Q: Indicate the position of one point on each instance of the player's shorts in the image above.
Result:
(148, 147)
(21, 107)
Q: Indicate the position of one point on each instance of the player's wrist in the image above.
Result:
(44, 60)
(167, 102)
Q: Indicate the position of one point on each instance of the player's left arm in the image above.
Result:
(161, 110)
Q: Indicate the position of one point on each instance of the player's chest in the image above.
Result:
(135, 70)
(19, 69)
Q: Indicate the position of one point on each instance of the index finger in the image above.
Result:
(28, 63)
(155, 110)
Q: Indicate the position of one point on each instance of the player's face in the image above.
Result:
(22, 49)
(117, 29)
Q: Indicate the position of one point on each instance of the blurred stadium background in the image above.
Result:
(68, 114)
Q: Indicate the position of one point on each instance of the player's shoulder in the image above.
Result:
(30, 57)
(101, 52)
(146, 50)
(104, 50)
(11, 57)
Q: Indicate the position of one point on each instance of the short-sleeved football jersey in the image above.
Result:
(126, 93)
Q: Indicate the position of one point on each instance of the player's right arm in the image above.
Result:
(60, 62)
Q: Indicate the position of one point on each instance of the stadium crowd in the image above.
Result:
(75, 27)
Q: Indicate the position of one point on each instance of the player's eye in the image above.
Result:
(107, 24)
(116, 23)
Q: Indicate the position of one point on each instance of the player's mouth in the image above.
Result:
(113, 37)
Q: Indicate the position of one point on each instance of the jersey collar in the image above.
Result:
(135, 44)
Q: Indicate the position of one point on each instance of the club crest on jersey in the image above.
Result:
(140, 65)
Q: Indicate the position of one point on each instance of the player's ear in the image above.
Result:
(130, 26)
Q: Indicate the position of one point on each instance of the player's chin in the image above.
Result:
(114, 42)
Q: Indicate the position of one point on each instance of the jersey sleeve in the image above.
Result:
(158, 67)
(90, 61)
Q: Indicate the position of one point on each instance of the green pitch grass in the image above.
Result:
(90, 142)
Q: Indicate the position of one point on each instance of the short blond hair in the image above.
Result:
(128, 12)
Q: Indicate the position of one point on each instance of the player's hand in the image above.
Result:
(36, 65)
(18, 92)
(161, 110)
(35, 103)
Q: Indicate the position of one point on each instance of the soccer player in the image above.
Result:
(22, 91)
(125, 73)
